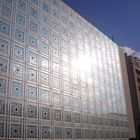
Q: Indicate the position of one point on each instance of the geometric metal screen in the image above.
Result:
(60, 77)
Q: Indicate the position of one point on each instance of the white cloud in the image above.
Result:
(128, 50)
(132, 52)
(137, 54)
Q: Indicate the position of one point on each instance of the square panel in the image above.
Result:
(16, 109)
(5, 11)
(44, 79)
(21, 5)
(56, 99)
(4, 28)
(67, 116)
(55, 67)
(16, 131)
(57, 132)
(75, 88)
(76, 117)
(44, 63)
(64, 44)
(56, 82)
(31, 93)
(20, 20)
(32, 57)
(68, 133)
(57, 114)
(45, 20)
(78, 133)
(4, 46)
(17, 70)
(2, 130)
(32, 41)
(33, 13)
(54, 13)
(44, 96)
(67, 101)
(66, 85)
(31, 74)
(18, 52)
(33, 27)
(65, 71)
(17, 89)
(85, 105)
(44, 33)
(45, 113)
(3, 86)
(55, 53)
(3, 65)
(76, 103)
(44, 48)
(2, 106)
(32, 111)
(46, 132)
(19, 35)
(31, 131)
(55, 26)
(55, 39)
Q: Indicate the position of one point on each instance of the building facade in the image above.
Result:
(60, 77)
(133, 67)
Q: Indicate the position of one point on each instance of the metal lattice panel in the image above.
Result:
(45, 91)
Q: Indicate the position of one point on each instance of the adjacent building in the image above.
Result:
(133, 67)
(60, 77)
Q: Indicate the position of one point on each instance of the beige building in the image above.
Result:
(133, 68)
(126, 77)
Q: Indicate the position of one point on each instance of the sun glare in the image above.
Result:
(82, 64)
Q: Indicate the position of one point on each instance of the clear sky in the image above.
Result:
(118, 18)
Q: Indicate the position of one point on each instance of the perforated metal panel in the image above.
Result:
(4, 28)
(31, 131)
(45, 92)
(45, 112)
(4, 46)
(46, 132)
(16, 109)
(16, 131)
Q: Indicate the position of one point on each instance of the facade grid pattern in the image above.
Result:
(44, 93)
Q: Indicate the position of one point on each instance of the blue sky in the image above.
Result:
(118, 18)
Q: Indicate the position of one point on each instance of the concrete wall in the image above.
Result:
(131, 126)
